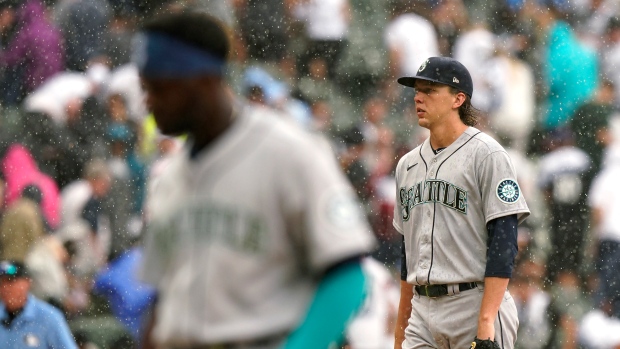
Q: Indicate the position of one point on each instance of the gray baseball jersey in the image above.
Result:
(237, 236)
(444, 202)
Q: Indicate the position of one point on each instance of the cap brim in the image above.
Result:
(409, 81)
(406, 81)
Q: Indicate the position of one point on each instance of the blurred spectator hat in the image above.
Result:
(442, 70)
(13, 269)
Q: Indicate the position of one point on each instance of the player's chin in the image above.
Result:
(168, 130)
(165, 127)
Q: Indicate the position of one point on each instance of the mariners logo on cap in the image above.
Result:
(508, 191)
(423, 66)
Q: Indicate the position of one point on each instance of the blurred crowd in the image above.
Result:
(79, 149)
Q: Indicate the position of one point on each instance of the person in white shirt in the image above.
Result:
(410, 40)
(599, 330)
(604, 200)
(327, 28)
(475, 48)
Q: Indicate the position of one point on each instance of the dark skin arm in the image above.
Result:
(147, 335)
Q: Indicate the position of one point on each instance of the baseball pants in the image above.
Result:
(451, 322)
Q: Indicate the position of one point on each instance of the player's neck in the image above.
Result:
(444, 134)
(211, 127)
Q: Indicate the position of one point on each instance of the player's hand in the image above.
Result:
(484, 344)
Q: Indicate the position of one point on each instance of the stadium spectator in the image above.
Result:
(406, 55)
(570, 68)
(22, 225)
(610, 56)
(27, 321)
(512, 114)
(34, 51)
(20, 170)
(84, 25)
(82, 216)
(326, 24)
(590, 126)
(561, 179)
(605, 204)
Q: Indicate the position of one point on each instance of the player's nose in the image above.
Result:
(417, 97)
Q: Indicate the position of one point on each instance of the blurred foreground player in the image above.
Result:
(254, 235)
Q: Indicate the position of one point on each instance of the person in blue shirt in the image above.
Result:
(25, 321)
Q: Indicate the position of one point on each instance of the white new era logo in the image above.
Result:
(454, 79)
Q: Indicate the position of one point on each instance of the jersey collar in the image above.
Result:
(427, 151)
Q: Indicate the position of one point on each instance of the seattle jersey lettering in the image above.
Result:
(215, 224)
(432, 191)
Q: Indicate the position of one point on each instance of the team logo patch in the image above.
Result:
(508, 191)
(343, 211)
(423, 66)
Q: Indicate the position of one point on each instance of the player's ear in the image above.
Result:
(459, 99)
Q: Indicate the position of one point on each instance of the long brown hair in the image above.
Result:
(467, 112)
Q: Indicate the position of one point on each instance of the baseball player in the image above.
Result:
(254, 234)
(458, 206)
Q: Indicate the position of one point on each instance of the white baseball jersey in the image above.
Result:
(444, 202)
(238, 236)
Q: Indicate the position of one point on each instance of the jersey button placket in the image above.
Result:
(432, 167)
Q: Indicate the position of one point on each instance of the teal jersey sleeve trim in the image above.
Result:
(339, 296)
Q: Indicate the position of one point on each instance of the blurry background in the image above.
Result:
(77, 145)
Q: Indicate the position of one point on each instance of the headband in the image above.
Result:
(160, 55)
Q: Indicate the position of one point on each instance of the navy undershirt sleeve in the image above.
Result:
(403, 260)
(501, 246)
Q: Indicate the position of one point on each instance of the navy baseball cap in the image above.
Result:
(13, 269)
(442, 70)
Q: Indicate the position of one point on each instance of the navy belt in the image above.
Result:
(434, 291)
